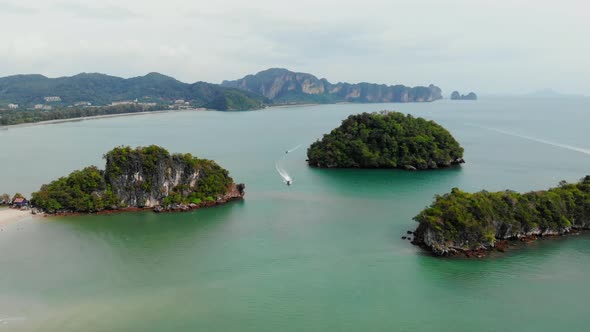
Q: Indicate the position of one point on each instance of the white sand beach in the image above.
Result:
(11, 215)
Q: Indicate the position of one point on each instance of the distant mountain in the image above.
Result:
(100, 89)
(282, 86)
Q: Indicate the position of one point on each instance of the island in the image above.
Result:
(386, 140)
(141, 178)
(457, 96)
(475, 224)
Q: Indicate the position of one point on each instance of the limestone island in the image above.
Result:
(475, 224)
(141, 178)
(457, 96)
(386, 140)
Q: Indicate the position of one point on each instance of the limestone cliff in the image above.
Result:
(149, 177)
(145, 177)
(282, 86)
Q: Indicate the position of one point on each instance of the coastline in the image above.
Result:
(96, 117)
(180, 208)
(8, 216)
(501, 246)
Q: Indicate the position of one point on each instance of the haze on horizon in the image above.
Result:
(484, 46)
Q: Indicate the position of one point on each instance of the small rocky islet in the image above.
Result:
(455, 95)
(386, 140)
(474, 224)
(141, 178)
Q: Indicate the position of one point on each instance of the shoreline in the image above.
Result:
(181, 208)
(501, 247)
(9, 216)
(96, 117)
(106, 116)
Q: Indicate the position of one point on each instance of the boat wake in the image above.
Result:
(287, 179)
(538, 140)
(293, 149)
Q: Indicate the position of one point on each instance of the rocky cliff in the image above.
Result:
(150, 176)
(145, 177)
(460, 222)
(282, 86)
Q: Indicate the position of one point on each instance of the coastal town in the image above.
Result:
(56, 102)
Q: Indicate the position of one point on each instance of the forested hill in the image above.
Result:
(386, 140)
(269, 87)
(286, 87)
(99, 89)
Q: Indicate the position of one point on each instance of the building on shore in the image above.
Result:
(52, 99)
(125, 102)
(42, 107)
(12, 106)
(19, 202)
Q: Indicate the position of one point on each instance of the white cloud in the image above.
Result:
(489, 46)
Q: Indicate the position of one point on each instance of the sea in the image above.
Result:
(323, 254)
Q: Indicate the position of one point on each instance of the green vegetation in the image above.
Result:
(13, 117)
(134, 176)
(102, 90)
(152, 161)
(81, 191)
(121, 159)
(460, 219)
(4, 199)
(386, 140)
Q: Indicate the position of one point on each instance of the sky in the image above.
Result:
(492, 47)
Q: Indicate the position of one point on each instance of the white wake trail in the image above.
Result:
(294, 149)
(286, 177)
(538, 140)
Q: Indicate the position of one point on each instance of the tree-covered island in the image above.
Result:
(144, 177)
(386, 140)
(460, 222)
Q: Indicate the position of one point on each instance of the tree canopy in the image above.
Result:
(478, 219)
(386, 140)
(139, 172)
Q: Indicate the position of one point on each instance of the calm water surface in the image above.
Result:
(322, 255)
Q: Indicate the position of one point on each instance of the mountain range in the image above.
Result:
(270, 87)
(282, 86)
(101, 89)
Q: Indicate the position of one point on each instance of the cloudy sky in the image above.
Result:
(488, 46)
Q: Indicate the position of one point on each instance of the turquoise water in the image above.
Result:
(324, 254)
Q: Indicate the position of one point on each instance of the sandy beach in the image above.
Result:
(96, 117)
(11, 215)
